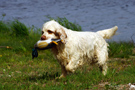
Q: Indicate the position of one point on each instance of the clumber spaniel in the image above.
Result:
(77, 48)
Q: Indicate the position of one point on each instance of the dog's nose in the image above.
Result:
(43, 37)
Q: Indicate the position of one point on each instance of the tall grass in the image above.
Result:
(19, 29)
(64, 22)
(3, 27)
(18, 36)
(121, 49)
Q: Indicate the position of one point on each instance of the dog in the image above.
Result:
(78, 47)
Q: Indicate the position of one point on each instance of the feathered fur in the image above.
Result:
(108, 33)
(78, 48)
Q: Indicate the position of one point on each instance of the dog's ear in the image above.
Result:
(61, 34)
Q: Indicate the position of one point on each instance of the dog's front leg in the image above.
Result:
(71, 66)
(64, 72)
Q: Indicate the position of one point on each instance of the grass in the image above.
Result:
(64, 22)
(19, 29)
(18, 71)
(121, 49)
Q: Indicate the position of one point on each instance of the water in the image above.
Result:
(92, 15)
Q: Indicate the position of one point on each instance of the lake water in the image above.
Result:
(92, 15)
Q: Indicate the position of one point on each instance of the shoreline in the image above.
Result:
(91, 15)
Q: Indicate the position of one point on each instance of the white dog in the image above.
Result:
(77, 48)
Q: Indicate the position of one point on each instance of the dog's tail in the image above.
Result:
(108, 33)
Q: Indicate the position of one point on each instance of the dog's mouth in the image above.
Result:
(45, 38)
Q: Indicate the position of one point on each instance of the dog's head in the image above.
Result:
(53, 30)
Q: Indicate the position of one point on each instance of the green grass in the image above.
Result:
(121, 49)
(64, 22)
(19, 29)
(18, 71)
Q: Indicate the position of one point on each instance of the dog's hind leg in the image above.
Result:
(103, 68)
(102, 57)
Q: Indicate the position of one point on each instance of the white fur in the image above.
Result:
(78, 48)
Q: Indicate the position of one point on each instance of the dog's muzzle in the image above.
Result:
(43, 37)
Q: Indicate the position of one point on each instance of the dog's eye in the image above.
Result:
(49, 31)
(42, 32)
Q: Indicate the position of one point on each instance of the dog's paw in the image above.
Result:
(62, 76)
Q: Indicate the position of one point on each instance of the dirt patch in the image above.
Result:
(109, 86)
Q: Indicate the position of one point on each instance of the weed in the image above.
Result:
(121, 49)
(3, 27)
(69, 25)
(19, 29)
